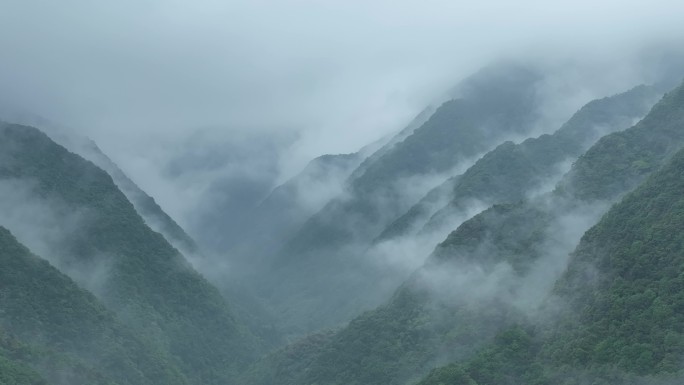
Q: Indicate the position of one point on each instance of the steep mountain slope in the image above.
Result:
(272, 222)
(532, 237)
(225, 173)
(322, 275)
(14, 370)
(629, 267)
(512, 172)
(496, 267)
(288, 206)
(621, 299)
(395, 139)
(145, 205)
(45, 309)
(611, 167)
(496, 104)
(104, 245)
(615, 164)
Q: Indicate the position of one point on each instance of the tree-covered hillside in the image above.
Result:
(322, 276)
(615, 315)
(494, 269)
(512, 172)
(74, 339)
(496, 103)
(133, 270)
(144, 204)
(14, 369)
(610, 168)
(554, 259)
(288, 206)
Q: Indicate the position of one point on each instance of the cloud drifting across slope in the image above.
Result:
(334, 74)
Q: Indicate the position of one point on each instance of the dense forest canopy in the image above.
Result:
(341, 193)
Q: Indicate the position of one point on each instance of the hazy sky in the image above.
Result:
(339, 74)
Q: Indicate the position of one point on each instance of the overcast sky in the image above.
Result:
(339, 73)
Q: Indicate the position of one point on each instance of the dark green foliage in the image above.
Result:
(454, 133)
(418, 121)
(392, 344)
(418, 214)
(12, 373)
(330, 246)
(622, 307)
(506, 232)
(515, 232)
(400, 341)
(149, 283)
(287, 366)
(509, 361)
(14, 370)
(145, 205)
(620, 161)
(633, 311)
(512, 171)
(497, 102)
(623, 289)
(363, 353)
(518, 234)
(452, 374)
(43, 307)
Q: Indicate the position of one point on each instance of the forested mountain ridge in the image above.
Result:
(491, 271)
(68, 327)
(496, 103)
(322, 276)
(144, 204)
(632, 153)
(611, 167)
(280, 215)
(289, 205)
(614, 314)
(559, 262)
(14, 370)
(512, 172)
(614, 165)
(109, 250)
(629, 268)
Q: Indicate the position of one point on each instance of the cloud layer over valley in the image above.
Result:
(322, 77)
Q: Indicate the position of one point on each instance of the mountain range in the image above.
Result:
(484, 243)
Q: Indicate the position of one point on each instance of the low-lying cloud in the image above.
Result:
(47, 226)
(350, 70)
(161, 84)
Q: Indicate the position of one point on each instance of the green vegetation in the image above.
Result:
(148, 284)
(416, 217)
(511, 172)
(616, 315)
(509, 361)
(14, 369)
(311, 272)
(44, 308)
(499, 102)
(288, 365)
(516, 231)
(392, 344)
(618, 162)
(621, 317)
(145, 205)
(632, 310)
(506, 232)
(382, 346)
